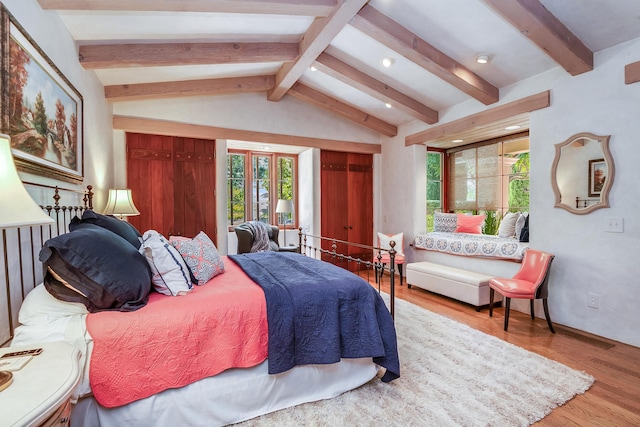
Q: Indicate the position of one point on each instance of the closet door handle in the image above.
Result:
(345, 227)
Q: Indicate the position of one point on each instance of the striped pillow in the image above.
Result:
(170, 274)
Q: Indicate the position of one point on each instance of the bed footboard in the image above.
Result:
(352, 256)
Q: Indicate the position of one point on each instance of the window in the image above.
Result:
(255, 182)
(490, 178)
(236, 177)
(434, 186)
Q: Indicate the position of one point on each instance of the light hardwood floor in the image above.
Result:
(614, 398)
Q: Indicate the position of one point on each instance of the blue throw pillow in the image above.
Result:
(111, 223)
(97, 268)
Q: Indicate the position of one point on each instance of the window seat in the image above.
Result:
(472, 245)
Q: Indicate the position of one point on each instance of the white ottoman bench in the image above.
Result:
(462, 285)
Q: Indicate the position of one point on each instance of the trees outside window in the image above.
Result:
(255, 182)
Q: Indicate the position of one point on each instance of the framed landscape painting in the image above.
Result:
(597, 176)
(41, 110)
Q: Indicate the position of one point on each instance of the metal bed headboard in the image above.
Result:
(22, 271)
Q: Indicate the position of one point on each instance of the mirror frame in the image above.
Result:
(604, 195)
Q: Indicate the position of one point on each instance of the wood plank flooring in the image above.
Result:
(614, 398)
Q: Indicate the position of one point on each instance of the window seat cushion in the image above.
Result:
(475, 245)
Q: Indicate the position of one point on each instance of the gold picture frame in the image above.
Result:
(40, 109)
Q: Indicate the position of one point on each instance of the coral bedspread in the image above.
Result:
(175, 341)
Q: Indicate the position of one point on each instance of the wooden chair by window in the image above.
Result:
(530, 282)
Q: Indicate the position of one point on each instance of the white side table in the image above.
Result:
(41, 391)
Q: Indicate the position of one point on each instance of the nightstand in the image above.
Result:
(41, 391)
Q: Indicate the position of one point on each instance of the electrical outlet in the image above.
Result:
(614, 225)
(594, 300)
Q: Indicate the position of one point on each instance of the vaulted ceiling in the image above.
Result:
(329, 52)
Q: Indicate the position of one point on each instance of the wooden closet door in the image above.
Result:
(333, 198)
(347, 201)
(150, 178)
(360, 210)
(194, 187)
(172, 180)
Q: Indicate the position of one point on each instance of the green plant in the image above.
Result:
(491, 223)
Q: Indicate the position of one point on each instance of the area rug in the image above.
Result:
(451, 375)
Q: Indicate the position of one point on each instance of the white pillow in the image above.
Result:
(384, 241)
(508, 225)
(169, 273)
(520, 223)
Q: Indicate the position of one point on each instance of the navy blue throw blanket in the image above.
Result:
(318, 313)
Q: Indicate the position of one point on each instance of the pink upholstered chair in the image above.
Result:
(530, 282)
(384, 241)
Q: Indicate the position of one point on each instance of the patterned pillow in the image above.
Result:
(201, 256)
(170, 275)
(445, 222)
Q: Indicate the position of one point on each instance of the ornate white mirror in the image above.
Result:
(582, 173)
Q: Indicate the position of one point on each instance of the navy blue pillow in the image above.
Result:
(524, 234)
(111, 223)
(95, 267)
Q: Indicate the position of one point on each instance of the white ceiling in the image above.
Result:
(458, 28)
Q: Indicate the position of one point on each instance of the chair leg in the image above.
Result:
(546, 314)
(400, 271)
(491, 291)
(533, 315)
(506, 313)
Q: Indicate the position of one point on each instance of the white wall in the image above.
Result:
(50, 34)
(588, 259)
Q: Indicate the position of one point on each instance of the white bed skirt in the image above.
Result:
(230, 397)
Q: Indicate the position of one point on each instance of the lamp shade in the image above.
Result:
(17, 208)
(284, 206)
(120, 203)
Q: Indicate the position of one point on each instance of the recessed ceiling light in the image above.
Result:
(387, 105)
(388, 62)
(458, 140)
(512, 127)
(312, 68)
(483, 58)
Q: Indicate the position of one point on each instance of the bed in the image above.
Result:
(183, 374)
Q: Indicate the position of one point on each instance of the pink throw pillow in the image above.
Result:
(470, 224)
(201, 255)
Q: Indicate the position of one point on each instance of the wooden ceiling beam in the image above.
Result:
(167, 54)
(326, 102)
(377, 89)
(318, 36)
(396, 37)
(484, 118)
(632, 73)
(189, 130)
(279, 7)
(536, 23)
(132, 92)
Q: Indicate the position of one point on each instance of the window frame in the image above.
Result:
(274, 179)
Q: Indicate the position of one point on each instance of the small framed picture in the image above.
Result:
(597, 176)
